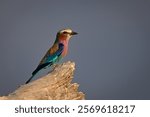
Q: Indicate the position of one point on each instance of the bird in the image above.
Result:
(56, 52)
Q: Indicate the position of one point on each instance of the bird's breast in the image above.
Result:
(65, 50)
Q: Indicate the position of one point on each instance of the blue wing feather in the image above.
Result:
(54, 57)
(50, 59)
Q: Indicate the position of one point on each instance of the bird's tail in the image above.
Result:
(29, 79)
(38, 69)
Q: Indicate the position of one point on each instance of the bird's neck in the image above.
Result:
(63, 39)
(65, 42)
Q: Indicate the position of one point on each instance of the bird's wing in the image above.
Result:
(51, 56)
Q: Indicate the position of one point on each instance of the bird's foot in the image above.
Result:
(54, 66)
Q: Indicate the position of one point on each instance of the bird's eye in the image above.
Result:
(65, 32)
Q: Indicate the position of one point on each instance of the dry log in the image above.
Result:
(54, 86)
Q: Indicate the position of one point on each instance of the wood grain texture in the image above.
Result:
(56, 85)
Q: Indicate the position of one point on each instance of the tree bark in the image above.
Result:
(56, 85)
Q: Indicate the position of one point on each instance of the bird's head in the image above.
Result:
(65, 34)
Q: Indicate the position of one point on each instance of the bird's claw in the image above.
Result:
(54, 66)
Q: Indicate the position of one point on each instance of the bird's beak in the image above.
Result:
(74, 33)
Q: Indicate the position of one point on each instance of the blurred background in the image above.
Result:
(111, 51)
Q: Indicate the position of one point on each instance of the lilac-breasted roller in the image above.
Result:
(56, 52)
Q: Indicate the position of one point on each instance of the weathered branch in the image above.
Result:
(54, 86)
